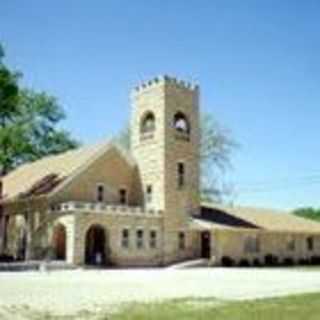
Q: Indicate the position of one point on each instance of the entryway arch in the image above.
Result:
(60, 241)
(95, 245)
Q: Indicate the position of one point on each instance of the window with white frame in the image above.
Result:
(125, 238)
(251, 244)
(100, 193)
(139, 239)
(153, 239)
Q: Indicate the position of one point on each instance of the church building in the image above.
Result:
(103, 205)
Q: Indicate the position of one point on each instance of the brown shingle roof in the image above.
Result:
(268, 219)
(30, 176)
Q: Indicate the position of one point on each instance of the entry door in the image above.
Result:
(205, 244)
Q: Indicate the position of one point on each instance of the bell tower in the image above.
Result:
(165, 143)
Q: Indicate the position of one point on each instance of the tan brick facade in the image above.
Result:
(140, 207)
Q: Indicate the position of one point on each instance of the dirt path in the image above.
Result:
(68, 292)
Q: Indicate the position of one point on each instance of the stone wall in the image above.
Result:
(232, 244)
(158, 153)
(111, 170)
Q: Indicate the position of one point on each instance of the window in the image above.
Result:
(149, 194)
(181, 174)
(123, 196)
(6, 222)
(310, 243)
(100, 193)
(153, 239)
(148, 124)
(181, 123)
(291, 244)
(182, 241)
(251, 244)
(140, 239)
(125, 238)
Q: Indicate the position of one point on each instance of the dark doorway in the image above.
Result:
(95, 246)
(59, 242)
(205, 244)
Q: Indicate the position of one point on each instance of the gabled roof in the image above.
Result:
(46, 175)
(266, 219)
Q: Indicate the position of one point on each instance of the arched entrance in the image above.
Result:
(59, 241)
(95, 245)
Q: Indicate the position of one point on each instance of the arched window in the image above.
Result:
(181, 123)
(148, 123)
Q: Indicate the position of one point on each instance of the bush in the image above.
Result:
(256, 262)
(271, 260)
(315, 260)
(288, 261)
(227, 261)
(244, 263)
(304, 262)
(6, 258)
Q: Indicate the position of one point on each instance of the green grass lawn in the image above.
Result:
(300, 307)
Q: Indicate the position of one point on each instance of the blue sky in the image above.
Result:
(257, 63)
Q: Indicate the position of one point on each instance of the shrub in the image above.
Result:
(244, 263)
(303, 261)
(271, 260)
(256, 262)
(315, 260)
(6, 258)
(288, 261)
(227, 261)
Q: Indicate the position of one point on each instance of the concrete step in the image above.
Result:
(196, 263)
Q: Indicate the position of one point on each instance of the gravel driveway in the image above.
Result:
(68, 292)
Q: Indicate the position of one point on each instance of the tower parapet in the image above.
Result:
(165, 79)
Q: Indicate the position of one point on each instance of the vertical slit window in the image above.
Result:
(100, 193)
(181, 175)
(123, 196)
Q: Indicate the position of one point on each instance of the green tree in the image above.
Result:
(9, 97)
(308, 212)
(28, 123)
(216, 147)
